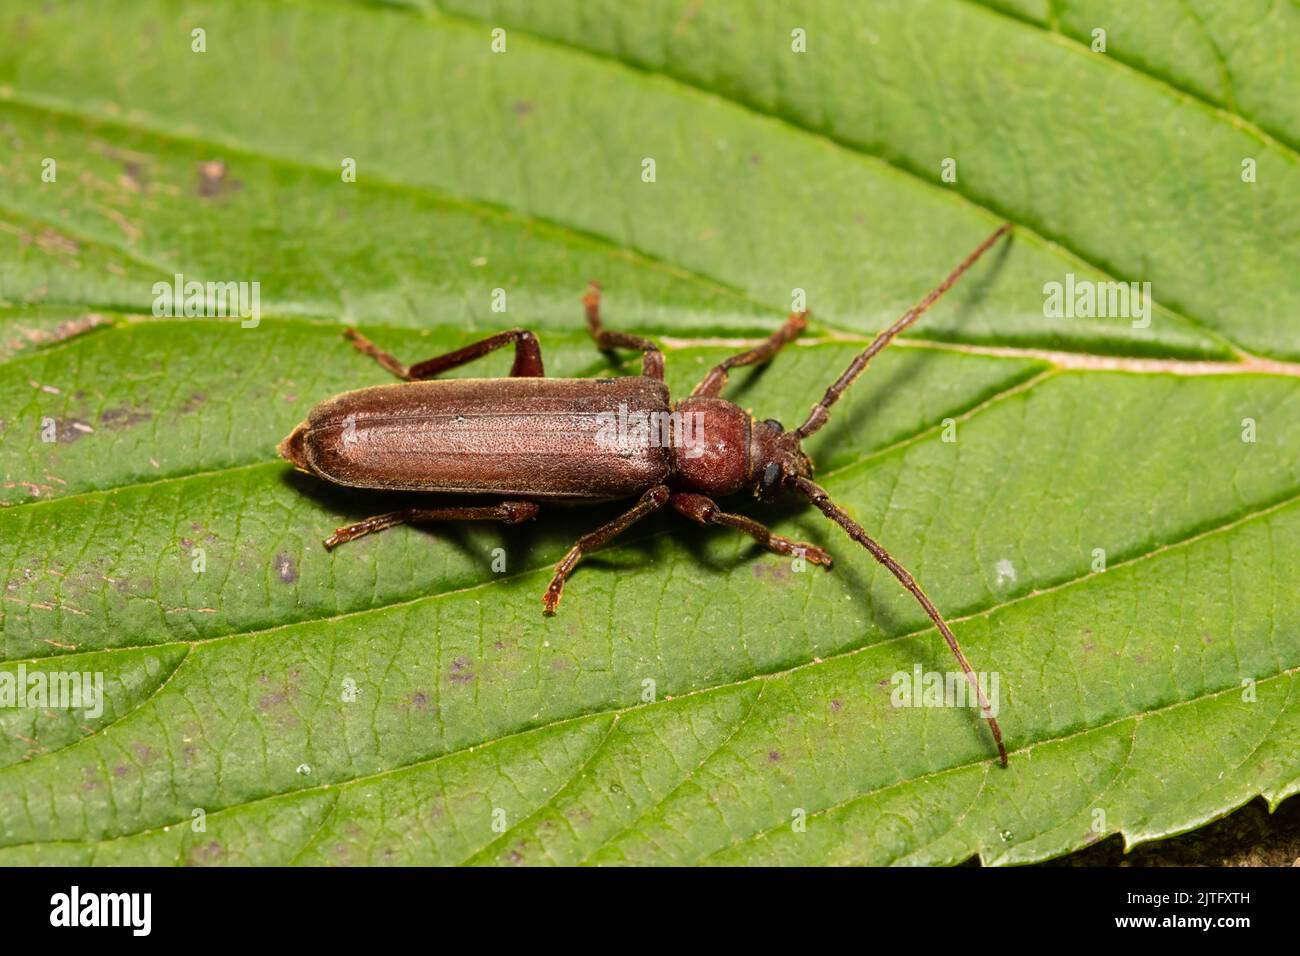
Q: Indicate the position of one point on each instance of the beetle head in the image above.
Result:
(777, 460)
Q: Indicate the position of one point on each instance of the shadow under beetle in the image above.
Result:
(532, 439)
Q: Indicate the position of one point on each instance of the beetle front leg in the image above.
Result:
(528, 355)
(705, 511)
(650, 502)
(507, 512)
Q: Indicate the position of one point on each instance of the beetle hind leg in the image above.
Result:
(507, 512)
(648, 503)
(652, 362)
(528, 355)
(714, 382)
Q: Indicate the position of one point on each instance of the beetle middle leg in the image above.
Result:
(705, 511)
(650, 502)
(508, 512)
(716, 380)
(528, 355)
(652, 364)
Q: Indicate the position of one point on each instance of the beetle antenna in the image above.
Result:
(855, 531)
(819, 414)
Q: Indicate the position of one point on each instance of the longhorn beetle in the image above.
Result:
(532, 439)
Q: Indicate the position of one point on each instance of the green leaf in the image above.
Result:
(1100, 532)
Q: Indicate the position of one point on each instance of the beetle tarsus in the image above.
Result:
(551, 599)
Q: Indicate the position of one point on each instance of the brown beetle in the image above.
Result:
(532, 439)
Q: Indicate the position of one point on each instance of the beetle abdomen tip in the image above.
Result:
(291, 449)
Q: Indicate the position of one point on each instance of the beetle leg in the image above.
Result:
(650, 502)
(528, 355)
(652, 365)
(716, 380)
(508, 512)
(705, 511)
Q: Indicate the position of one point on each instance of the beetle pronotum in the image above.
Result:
(531, 439)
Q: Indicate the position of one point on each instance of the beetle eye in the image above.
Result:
(773, 424)
(771, 475)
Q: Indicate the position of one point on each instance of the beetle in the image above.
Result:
(532, 440)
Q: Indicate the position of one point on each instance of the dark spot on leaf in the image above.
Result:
(773, 756)
(776, 572)
(193, 403)
(420, 701)
(123, 417)
(524, 107)
(68, 430)
(215, 181)
(133, 176)
(285, 568)
(51, 241)
(837, 706)
(205, 855)
(461, 672)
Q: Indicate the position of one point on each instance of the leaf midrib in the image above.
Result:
(1281, 500)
